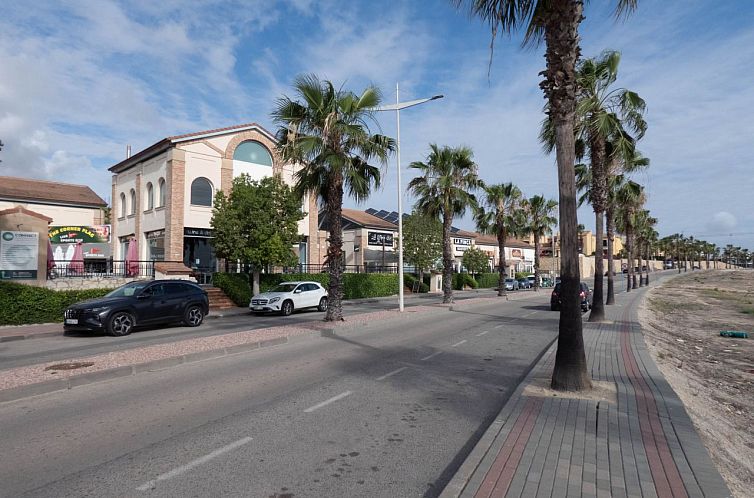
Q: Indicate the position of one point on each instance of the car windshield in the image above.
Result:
(127, 290)
(283, 288)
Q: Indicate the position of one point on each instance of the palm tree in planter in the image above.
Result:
(444, 190)
(557, 23)
(326, 130)
(495, 216)
(540, 218)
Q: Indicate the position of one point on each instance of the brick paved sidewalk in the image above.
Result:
(640, 442)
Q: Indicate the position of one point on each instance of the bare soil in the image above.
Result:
(713, 375)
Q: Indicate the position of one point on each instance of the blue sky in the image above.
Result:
(81, 79)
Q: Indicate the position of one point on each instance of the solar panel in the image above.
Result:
(371, 211)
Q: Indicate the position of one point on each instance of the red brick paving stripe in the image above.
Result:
(500, 475)
(665, 474)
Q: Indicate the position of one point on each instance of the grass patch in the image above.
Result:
(665, 306)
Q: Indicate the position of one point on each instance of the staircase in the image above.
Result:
(218, 300)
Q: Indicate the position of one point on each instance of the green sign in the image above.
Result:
(85, 234)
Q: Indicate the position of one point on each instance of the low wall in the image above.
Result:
(60, 284)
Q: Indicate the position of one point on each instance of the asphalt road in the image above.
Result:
(390, 411)
(62, 347)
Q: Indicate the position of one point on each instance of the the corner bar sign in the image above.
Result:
(380, 239)
(198, 232)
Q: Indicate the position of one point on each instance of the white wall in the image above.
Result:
(61, 215)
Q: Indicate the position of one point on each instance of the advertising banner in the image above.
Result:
(95, 234)
(19, 255)
(380, 239)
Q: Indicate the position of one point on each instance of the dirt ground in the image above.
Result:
(713, 375)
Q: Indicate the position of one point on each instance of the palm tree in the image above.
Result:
(539, 221)
(444, 191)
(326, 131)
(557, 23)
(629, 198)
(646, 235)
(495, 216)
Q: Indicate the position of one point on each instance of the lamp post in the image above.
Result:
(397, 108)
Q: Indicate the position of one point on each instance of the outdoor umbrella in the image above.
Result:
(132, 259)
(77, 260)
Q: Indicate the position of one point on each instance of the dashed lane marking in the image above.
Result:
(194, 463)
(328, 401)
(480, 334)
(392, 373)
(458, 343)
(431, 356)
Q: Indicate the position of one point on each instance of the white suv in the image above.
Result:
(287, 296)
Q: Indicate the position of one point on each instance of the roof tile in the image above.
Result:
(29, 190)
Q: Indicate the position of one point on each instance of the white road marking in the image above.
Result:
(528, 314)
(327, 402)
(458, 343)
(392, 373)
(480, 334)
(498, 326)
(195, 463)
(431, 356)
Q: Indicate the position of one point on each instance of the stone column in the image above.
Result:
(175, 205)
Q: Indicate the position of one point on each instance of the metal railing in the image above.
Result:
(232, 267)
(102, 268)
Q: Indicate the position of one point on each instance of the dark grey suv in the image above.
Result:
(137, 304)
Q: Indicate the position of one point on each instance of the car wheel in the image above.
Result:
(120, 324)
(287, 308)
(322, 304)
(193, 316)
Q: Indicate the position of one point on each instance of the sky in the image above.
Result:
(80, 80)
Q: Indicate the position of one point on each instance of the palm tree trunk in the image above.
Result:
(447, 258)
(537, 249)
(559, 86)
(502, 264)
(598, 306)
(334, 207)
(641, 266)
(630, 258)
(610, 222)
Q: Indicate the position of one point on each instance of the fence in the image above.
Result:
(103, 268)
(232, 267)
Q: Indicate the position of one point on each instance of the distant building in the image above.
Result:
(163, 195)
(65, 203)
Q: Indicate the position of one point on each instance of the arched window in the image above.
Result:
(122, 205)
(201, 192)
(133, 202)
(252, 152)
(161, 186)
(150, 196)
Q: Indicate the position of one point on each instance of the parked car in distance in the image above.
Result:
(668, 264)
(511, 284)
(585, 297)
(523, 283)
(547, 282)
(288, 296)
(531, 279)
(139, 303)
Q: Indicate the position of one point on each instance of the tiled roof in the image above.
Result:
(365, 219)
(21, 209)
(162, 145)
(492, 240)
(48, 192)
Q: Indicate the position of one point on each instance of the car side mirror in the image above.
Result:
(297, 291)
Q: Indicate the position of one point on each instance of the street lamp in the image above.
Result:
(397, 108)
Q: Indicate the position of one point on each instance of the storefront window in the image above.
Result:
(156, 245)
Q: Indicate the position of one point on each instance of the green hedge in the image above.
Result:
(355, 285)
(461, 279)
(235, 286)
(23, 304)
(488, 280)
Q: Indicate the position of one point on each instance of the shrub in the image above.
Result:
(23, 304)
(235, 286)
(488, 280)
(409, 281)
(464, 279)
(521, 274)
(362, 285)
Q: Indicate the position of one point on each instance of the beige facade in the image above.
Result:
(587, 244)
(163, 195)
(519, 255)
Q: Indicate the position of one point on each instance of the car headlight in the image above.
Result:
(96, 310)
(274, 300)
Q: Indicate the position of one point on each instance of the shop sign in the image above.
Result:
(197, 232)
(461, 242)
(380, 239)
(19, 252)
(516, 253)
(71, 234)
(157, 234)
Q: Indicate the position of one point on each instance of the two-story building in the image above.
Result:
(163, 195)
